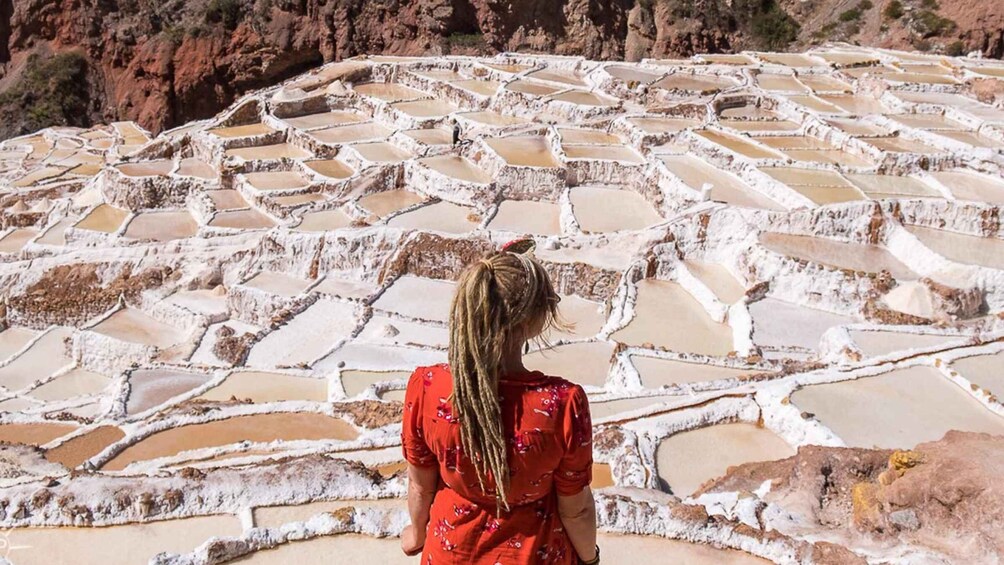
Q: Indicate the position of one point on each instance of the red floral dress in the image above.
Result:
(547, 423)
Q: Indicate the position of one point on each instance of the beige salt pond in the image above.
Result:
(527, 217)
(150, 388)
(431, 136)
(657, 373)
(227, 199)
(966, 185)
(820, 186)
(78, 382)
(352, 133)
(324, 119)
(276, 180)
(893, 186)
(584, 98)
(35, 433)
(718, 279)
(192, 167)
(382, 152)
(162, 226)
(778, 324)
(837, 254)
(242, 131)
(134, 543)
(585, 317)
(875, 343)
(255, 428)
(259, 387)
(78, 449)
(324, 220)
(56, 235)
(434, 108)
(666, 315)
(739, 145)
(441, 216)
(961, 248)
(457, 167)
(331, 168)
(531, 88)
(418, 297)
(242, 219)
(663, 125)
(356, 382)
(13, 339)
(524, 151)
(603, 210)
(389, 92)
(695, 83)
(983, 371)
(383, 204)
(134, 326)
(585, 363)
(492, 118)
(381, 328)
(16, 240)
(276, 516)
(898, 409)
(268, 152)
(686, 460)
(46, 355)
(603, 153)
(725, 187)
(103, 218)
(159, 168)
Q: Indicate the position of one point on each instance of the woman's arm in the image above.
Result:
(423, 482)
(578, 515)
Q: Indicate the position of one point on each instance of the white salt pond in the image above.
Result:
(13, 339)
(227, 199)
(382, 152)
(306, 337)
(876, 343)
(324, 220)
(686, 460)
(898, 409)
(134, 326)
(966, 249)
(242, 219)
(603, 210)
(667, 316)
(268, 152)
(983, 371)
(134, 543)
(718, 279)
(46, 355)
(527, 217)
(150, 388)
(778, 324)
(353, 133)
(838, 254)
(418, 297)
(259, 387)
(381, 328)
(656, 372)
(276, 180)
(585, 318)
(255, 428)
(280, 284)
(967, 185)
(77, 382)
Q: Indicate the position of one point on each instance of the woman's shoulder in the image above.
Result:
(431, 375)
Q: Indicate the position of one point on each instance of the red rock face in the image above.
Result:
(165, 63)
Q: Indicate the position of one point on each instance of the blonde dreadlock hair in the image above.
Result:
(496, 300)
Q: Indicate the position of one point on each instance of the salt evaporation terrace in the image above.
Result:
(207, 333)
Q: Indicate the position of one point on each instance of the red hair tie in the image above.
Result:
(519, 246)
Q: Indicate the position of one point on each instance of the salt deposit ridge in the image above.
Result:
(209, 331)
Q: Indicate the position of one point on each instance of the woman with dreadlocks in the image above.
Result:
(499, 457)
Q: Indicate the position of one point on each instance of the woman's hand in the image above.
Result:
(412, 541)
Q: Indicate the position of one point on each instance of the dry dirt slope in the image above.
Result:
(162, 63)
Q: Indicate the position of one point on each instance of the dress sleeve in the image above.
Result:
(416, 450)
(575, 470)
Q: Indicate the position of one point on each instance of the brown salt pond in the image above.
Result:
(16, 240)
(686, 460)
(875, 343)
(78, 382)
(725, 187)
(527, 216)
(324, 220)
(666, 315)
(442, 216)
(268, 387)
(355, 382)
(256, 428)
(966, 249)
(602, 476)
(13, 339)
(898, 409)
(457, 167)
(656, 372)
(134, 543)
(242, 219)
(268, 152)
(385, 203)
(524, 151)
(277, 283)
(719, 279)
(777, 324)
(331, 168)
(227, 199)
(977, 187)
(46, 356)
(134, 326)
(324, 119)
(162, 226)
(276, 180)
(585, 363)
(368, 131)
(34, 434)
(739, 145)
(389, 92)
(104, 218)
(149, 388)
(418, 297)
(983, 371)
(838, 254)
(604, 210)
(75, 451)
(159, 168)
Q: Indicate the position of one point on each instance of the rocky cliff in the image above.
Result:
(162, 63)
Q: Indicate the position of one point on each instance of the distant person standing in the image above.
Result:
(456, 133)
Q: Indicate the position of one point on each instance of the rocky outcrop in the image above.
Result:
(943, 498)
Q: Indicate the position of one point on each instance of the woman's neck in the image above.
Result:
(512, 357)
